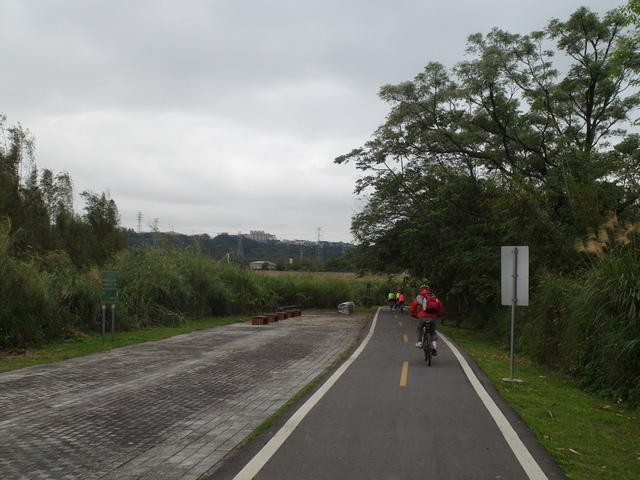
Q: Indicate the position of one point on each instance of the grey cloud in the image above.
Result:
(180, 108)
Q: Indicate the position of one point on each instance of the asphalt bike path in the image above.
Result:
(384, 414)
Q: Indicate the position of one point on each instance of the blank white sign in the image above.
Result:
(508, 262)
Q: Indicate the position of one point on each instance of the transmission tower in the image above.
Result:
(240, 248)
(319, 256)
(140, 216)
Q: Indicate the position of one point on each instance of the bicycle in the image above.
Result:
(426, 341)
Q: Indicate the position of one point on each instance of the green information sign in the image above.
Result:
(110, 287)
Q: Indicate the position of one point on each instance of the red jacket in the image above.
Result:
(417, 302)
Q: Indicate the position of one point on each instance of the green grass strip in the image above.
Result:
(590, 437)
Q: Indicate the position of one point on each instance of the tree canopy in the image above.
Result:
(37, 209)
(522, 143)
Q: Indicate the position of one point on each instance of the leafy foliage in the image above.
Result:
(506, 148)
(589, 323)
(501, 149)
(39, 206)
(49, 298)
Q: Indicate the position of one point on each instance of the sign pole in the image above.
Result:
(113, 322)
(514, 303)
(104, 320)
(109, 295)
(515, 291)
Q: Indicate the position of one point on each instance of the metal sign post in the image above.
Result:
(515, 290)
(104, 320)
(113, 322)
(514, 303)
(109, 296)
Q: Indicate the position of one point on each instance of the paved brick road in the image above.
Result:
(162, 410)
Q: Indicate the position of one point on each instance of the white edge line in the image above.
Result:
(252, 468)
(521, 452)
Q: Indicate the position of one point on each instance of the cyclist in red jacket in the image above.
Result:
(427, 308)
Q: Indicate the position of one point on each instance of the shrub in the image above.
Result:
(50, 297)
(29, 314)
(589, 324)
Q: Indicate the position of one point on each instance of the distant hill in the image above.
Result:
(221, 247)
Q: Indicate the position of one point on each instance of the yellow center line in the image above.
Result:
(405, 337)
(403, 375)
(400, 323)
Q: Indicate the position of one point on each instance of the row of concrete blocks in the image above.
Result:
(274, 317)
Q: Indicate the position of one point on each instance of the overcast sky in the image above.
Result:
(214, 116)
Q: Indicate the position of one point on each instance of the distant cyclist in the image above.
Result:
(427, 308)
(400, 301)
(392, 300)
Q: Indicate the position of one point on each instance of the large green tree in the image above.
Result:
(503, 148)
(101, 213)
(39, 207)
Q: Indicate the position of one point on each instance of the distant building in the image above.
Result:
(302, 242)
(262, 265)
(260, 236)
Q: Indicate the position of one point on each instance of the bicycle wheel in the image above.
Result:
(426, 344)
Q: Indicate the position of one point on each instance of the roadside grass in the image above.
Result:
(80, 345)
(591, 438)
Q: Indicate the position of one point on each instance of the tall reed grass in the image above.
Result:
(29, 312)
(589, 324)
(48, 298)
